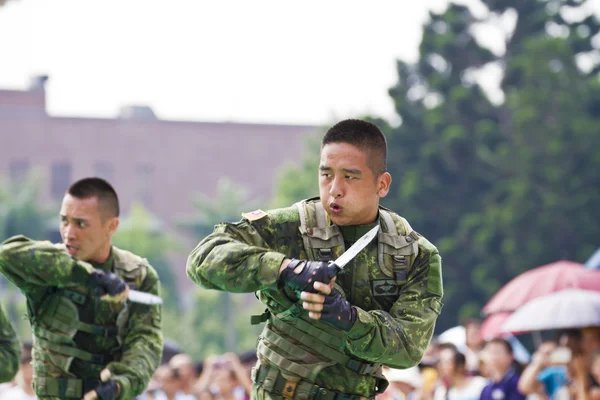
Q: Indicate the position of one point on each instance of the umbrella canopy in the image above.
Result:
(541, 281)
(491, 327)
(594, 261)
(569, 308)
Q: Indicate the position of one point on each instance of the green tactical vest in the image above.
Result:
(300, 348)
(57, 321)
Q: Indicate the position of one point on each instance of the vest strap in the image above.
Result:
(289, 389)
(304, 328)
(308, 341)
(63, 387)
(102, 359)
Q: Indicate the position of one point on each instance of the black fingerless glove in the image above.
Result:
(312, 271)
(108, 390)
(338, 312)
(106, 283)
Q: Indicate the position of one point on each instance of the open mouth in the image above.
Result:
(335, 208)
(71, 249)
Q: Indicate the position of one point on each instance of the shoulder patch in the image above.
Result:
(254, 215)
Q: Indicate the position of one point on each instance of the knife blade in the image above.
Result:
(142, 297)
(360, 244)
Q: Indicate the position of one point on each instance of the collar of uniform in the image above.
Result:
(106, 265)
(352, 233)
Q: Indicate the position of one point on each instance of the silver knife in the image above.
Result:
(142, 297)
(360, 244)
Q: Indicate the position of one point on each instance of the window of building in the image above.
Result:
(60, 178)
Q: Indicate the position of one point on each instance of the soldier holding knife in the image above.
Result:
(348, 285)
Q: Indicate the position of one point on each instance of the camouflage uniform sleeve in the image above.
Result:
(142, 344)
(10, 351)
(399, 338)
(31, 264)
(235, 258)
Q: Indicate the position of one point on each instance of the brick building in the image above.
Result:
(161, 163)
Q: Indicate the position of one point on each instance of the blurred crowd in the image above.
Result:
(566, 366)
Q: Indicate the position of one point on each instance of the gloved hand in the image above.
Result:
(107, 390)
(338, 312)
(312, 271)
(107, 283)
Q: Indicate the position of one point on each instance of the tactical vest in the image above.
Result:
(57, 321)
(299, 347)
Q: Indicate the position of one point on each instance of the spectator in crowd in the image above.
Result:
(499, 362)
(473, 345)
(404, 384)
(223, 377)
(248, 360)
(595, 371)
(24, 388)
(540, 377)
(184, 370)
(428, 367)
(455, 382)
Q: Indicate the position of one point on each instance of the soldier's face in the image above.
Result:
(348, 189)
(85, 230)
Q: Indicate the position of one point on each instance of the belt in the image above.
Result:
(63, 387)
(283, 387)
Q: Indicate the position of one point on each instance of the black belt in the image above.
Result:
(287, 389)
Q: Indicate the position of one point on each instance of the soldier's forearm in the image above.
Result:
(27, 263)
(377, 337)
(219, 262)
(9, 360)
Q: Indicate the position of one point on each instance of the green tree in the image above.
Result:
(21, 212)
(142, 233)
(297, 181)
(217, 312)
(499, 188)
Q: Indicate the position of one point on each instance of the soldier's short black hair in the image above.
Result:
(108, 200)
(365, 136)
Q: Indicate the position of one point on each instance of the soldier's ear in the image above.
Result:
(383, 184)
(113, 224)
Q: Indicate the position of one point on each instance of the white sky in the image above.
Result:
(274, 61)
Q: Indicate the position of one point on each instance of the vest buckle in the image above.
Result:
(289, 388)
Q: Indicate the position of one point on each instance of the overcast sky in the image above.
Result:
(273, 61)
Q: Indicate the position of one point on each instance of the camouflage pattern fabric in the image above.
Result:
(39, 269)
(10, 351)
(394, 325)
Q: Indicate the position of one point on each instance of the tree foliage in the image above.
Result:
(142, 233)
(499, 188)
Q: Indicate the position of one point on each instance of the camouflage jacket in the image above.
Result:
(393, 330)
(40, 269)
(10, 351)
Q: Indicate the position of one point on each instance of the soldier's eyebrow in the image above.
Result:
(74, 219)
(352, 171)
(324, 168)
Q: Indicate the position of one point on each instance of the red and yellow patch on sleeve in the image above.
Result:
(254, 215)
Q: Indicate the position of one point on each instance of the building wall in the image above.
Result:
(161, 163)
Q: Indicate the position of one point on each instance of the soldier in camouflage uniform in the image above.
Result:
(10, 351)
(318, 342)
(87, 338)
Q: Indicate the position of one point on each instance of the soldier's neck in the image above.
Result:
(107, 265)
(352, 233)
